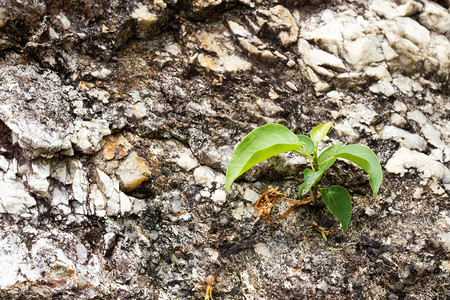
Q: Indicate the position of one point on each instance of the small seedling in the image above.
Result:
(273, 139)
(209, 286)
(326, 233)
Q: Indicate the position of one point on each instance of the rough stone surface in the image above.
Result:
(118, 119)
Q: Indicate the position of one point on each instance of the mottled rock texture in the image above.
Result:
(118, 119)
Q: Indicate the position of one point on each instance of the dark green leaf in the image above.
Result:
(301, 187)
(318, 133)
(367, 160)
(338, 201)
(311, 178)
(308, 147)
(260, 144)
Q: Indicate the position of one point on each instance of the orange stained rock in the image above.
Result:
(116, 148)
(133, 171)
(132, 185)
(207, 62)
(86, 85)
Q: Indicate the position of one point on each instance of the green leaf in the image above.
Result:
(311, 178)
(318, 133)
(260, 144)
(308, 147)
(367, 160)
(335, 249)
(338, 201)
(301, 187)
(327, 155)
(327, 159)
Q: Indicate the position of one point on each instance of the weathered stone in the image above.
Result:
(15, 199)
(383, 87)
(97, 198)
(283, 22)
(173, 151)
(149, 18)
(219, 196)
(207, 9)
(430, 132)
(89, 134)
(406, 85)
(133, 171)
(363, 51)
(347, 128)
(37, 113)
(216, 39)
(322, 62)
(37, 176)
(116, 148)
(60, 201)
(406, 139)
(405, 158)
(435, 17)
(391, 10)
(118, 120)
(264, 250)
(4, 164)
(361, 43)
(252, 44)
(206, 176)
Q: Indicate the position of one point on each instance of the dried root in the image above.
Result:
(326, 232)
(268, 199)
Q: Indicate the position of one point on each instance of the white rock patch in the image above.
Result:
(219, 196)
(15, 199)
(207, 176)
(405, 138)
(250, 195)
(89, 134)
(264, 250)
(405, 158)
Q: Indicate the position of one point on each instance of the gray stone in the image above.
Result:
(36, 109)
(118, 120)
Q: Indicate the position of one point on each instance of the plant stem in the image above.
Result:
(313, 192)
(327, 160)
(316, 202)
(311, 164)
(313, 196)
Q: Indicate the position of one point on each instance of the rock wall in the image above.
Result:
(118, 119)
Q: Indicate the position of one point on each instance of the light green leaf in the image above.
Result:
(338, 201)
(260, 144)
(301, 187)
(308, 147)
(367, 160)
(326, 159)
(318, 133)
(335, 249)
(311, 178)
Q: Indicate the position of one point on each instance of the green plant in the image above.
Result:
(273, 139)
